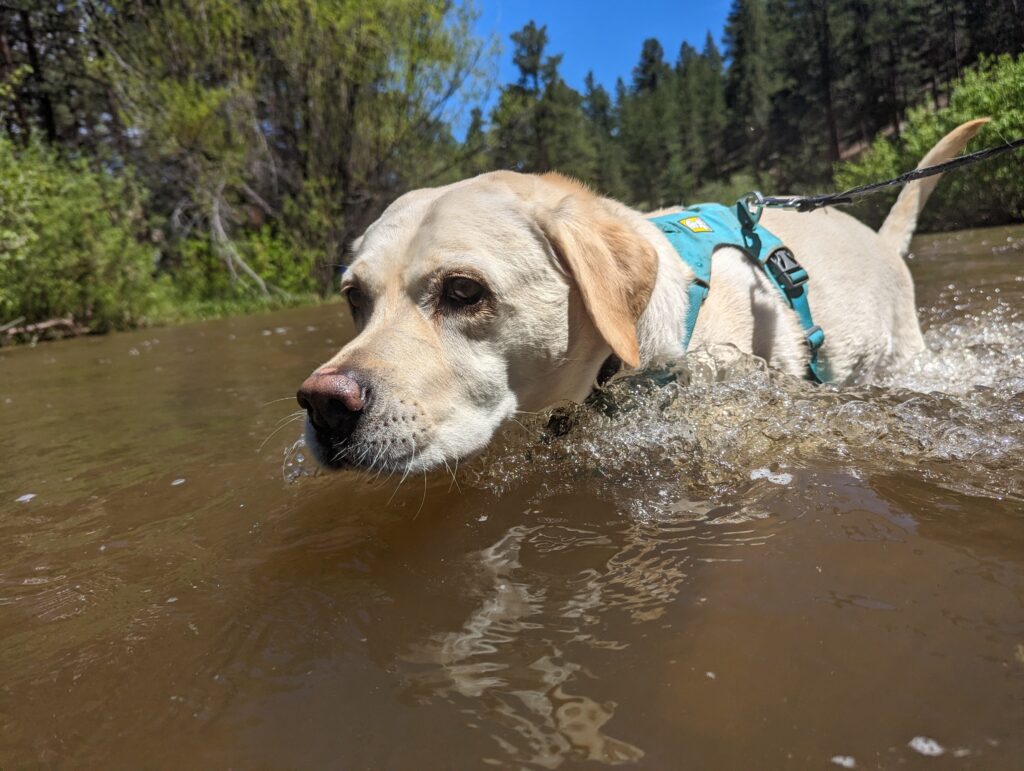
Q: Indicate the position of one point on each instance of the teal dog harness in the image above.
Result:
(699, 231)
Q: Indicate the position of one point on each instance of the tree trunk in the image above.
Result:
(45, 106)
(825, 62)
(893, 88)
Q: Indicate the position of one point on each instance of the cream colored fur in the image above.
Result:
(572, 277)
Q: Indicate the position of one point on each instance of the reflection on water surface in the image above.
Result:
(707, 566)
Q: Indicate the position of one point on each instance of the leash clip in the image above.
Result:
(751, 205)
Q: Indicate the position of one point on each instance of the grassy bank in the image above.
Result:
(20, 331)
(203, 310)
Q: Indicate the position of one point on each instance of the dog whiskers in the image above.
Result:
(455, 482)
(275, 401)
(290, 416)
(408, 467)
(342, 450)
(376, 460)
(414, 516)
(537, 435)
(283, 423)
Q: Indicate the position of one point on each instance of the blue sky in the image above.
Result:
(601, 35)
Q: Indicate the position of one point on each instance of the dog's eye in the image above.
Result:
(462, 291)
(356, 298)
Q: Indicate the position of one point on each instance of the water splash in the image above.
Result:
(707, 427)
(297, 463)
(699, 426)
(976, 351)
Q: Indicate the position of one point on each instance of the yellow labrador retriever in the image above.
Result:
(509, 292)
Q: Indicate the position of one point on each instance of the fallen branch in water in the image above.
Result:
(9, 324)
(67, 325)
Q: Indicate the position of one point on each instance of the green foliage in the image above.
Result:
(308, 116)
(807, 83)
(749, 82)
(199, 273)
(703, 116)
(236, 149)
(651, 139)
(726, 191)
(988, 193)
(282, 262)
(539, 123)
(70, 242)
(602, 127)
(172, 306)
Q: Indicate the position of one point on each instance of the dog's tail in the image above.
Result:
(899, 226)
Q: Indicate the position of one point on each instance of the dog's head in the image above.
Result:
(502, 293)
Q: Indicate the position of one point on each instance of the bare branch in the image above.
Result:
(226, 247)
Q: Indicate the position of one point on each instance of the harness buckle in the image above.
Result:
(787, 271)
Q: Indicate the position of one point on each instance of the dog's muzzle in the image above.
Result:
(334, 402)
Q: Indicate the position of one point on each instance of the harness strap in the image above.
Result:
(788, 276)
(697, 293)
(701, 230)
(678, 229)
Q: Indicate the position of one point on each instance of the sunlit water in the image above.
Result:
(708, 565)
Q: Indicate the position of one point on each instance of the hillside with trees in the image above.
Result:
(799, 87)
(170, 159)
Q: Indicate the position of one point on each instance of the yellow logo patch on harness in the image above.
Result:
(696, 225)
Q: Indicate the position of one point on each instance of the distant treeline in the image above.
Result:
(801, 85)
(216, 150)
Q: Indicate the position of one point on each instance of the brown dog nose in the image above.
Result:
(334, 402)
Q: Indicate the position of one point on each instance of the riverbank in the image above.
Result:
(172, 311)
(166, 313)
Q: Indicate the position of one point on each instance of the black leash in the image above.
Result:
(804, 203)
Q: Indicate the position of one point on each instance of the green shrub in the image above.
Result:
(174, 307)
(727, 191)
(281, 261)
(989, 193)
(68, 242)
(196, 271)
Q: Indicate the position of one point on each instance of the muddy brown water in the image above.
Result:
(712, 566)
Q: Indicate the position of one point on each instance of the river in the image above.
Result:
(711, 566)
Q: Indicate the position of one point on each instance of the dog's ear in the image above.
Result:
(612, 265)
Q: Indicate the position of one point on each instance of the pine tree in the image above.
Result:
(476, 148)
(539, 123)
(652, 71)
(649, 132)
(690, 78)
(716, 112)
(602, 122)
(865, 82)
(701, 87)
(749, 84)
(994, 26)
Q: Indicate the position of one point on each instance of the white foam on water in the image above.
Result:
(926, 746)
(782, 479)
